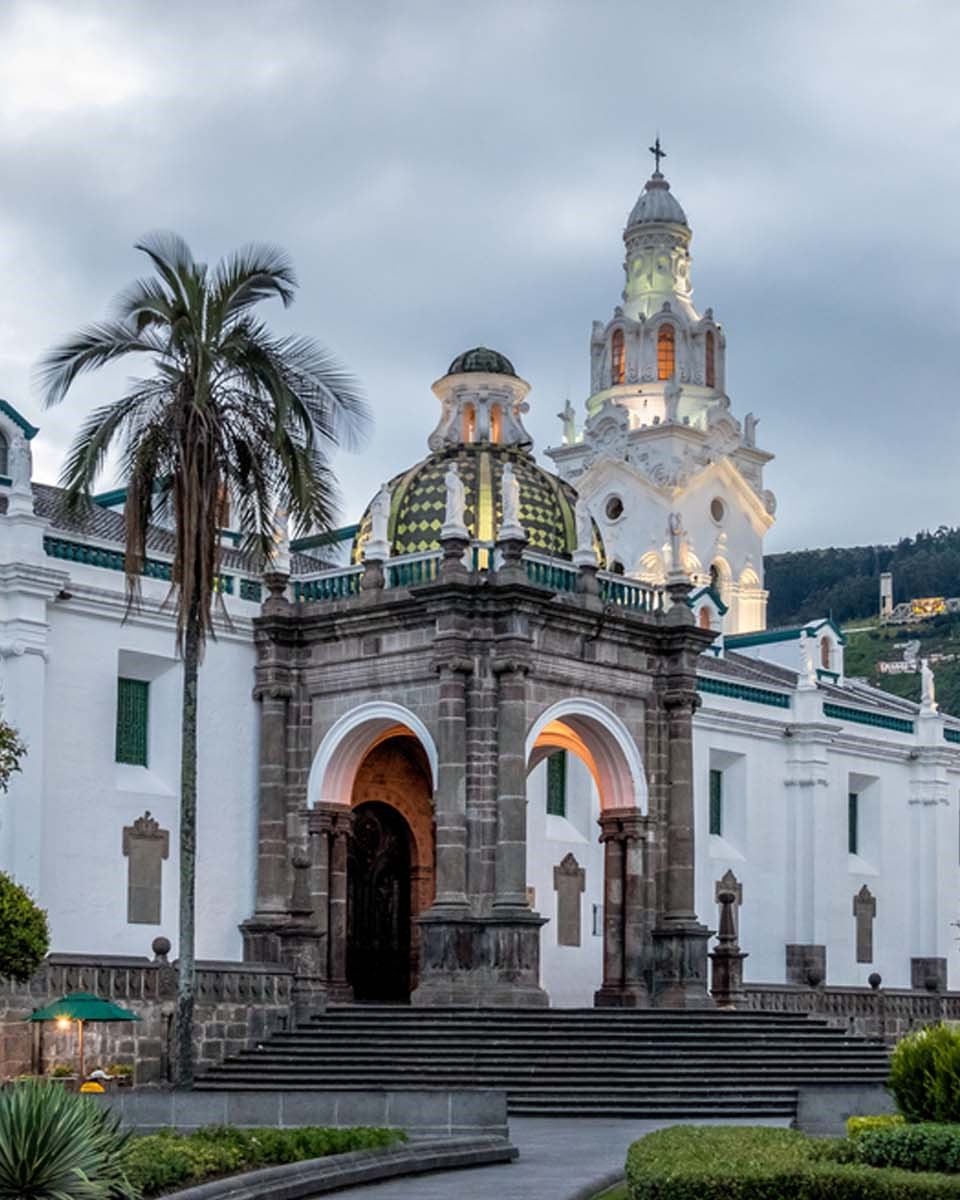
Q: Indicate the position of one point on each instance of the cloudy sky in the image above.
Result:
(451, 174)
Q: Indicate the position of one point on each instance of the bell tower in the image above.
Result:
(659, 434)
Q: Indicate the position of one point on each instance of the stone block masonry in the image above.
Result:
(237, 1006)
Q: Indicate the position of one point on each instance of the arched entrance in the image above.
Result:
(390, 868)
(378, 904)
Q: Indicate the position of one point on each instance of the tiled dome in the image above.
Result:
(418, 500)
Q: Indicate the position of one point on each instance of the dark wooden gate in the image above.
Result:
(378, 905)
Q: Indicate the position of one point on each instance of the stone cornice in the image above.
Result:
(150, 613)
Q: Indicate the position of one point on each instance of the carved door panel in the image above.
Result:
(378, 907)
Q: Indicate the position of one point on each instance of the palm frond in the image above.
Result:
(93, 347)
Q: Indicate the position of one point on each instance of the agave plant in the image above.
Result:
(55, 1145)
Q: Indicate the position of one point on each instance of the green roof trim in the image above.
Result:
(111, 499)
(345, 533)
(861, 716)
(952, 735)
(29, 431)
(742, 691)
(764, 637)
(707, 590)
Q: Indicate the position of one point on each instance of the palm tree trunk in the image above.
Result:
(183, 1073)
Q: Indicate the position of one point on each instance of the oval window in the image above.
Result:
(613, 508)
(718, 510)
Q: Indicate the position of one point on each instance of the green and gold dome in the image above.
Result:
(481, 430)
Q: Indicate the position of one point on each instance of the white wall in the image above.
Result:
(570, 974)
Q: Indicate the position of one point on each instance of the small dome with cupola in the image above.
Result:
(481, 430)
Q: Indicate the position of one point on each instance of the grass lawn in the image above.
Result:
(617, 1192)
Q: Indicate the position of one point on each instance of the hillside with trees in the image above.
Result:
(845, 582)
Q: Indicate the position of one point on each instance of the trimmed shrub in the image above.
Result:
(913, 1147)
(858, 1125)
(160, 1162)
(55, 1145)
(745, 1163)
(925, 1074)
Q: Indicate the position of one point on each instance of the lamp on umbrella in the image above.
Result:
(81, 1007)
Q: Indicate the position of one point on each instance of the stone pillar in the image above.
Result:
(259, 941)
(864, 911)
(511, 860)
(450, 801)
(338, 986)
(303, 945)
(625, 925)
(680, 941)
(727, 958)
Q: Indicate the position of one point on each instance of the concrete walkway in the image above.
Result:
(559, 1160)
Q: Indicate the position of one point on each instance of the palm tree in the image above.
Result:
(228, 416)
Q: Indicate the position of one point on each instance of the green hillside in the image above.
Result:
(845, 582)
(939, 635)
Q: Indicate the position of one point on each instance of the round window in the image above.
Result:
(718, 510)
(613, 508)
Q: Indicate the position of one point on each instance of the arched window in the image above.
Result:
(469, 424)
(826, 648)
(4, 455)
(710, 360)
(618, 361)
(666, 352)
(705, 617)
(495, 423)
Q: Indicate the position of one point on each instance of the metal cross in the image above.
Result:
(657, 153)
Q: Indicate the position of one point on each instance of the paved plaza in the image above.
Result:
(559, 1160)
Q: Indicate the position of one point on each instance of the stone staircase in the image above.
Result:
(567, 1062)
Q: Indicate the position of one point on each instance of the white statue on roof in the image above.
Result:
(380, 515)
(21, 463)
(456, 502)
(928, 690)
(280, 549)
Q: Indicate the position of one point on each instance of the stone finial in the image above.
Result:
(161, 949)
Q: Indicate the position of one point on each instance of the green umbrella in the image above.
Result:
(81, 1007)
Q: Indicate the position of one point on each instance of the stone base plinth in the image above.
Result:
(480, 961)
(624, 996)
(261, 943)
(680, 966)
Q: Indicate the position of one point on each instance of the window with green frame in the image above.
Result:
(716, 801)
(133, 711)
(853, 823)
(557, 784)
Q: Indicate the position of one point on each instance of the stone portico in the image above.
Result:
(481, 673)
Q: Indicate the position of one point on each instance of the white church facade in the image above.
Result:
(498, 756)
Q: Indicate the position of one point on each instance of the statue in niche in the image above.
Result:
(510, 488)
(568, 417)
(380, 514)
(584, 524)
(21, 463)
(456, 497)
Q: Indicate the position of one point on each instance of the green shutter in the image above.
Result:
(852, 823)
(716, 802)
(133, 706)
(557, 784)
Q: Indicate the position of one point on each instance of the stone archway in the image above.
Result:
(392, 847)
(603, 744)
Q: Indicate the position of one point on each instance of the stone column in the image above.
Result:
(339, 988)
(680, 941)
(624, 913)
(511, 858)
(450, 801)
(727, 958)
(259, 941)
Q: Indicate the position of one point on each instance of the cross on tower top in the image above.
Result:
(657, 154)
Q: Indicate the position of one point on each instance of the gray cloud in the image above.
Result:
(445, 175)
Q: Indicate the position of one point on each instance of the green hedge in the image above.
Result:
(160, 1162)
(858, 1125)
(913, 1147)
(746, 1163)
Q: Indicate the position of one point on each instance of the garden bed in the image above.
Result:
(747, 1163)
